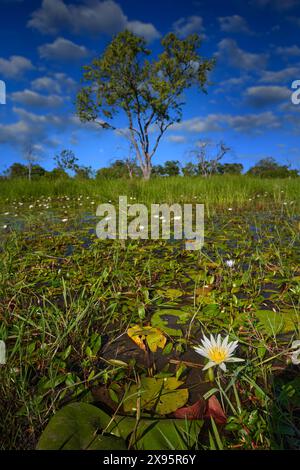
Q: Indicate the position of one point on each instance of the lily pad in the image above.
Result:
(153, 336)
(277, 322)
(76, 424)
(75, 427)
(160, 395)
(157, 320)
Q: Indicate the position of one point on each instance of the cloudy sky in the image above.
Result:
(44, 44)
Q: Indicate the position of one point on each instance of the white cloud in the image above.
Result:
(93, 17)
(63, 49)
(283, 76)
(210, 123)
(233, 24)
(31, 98)
(189, 25)
(247, 123)
(292, 51)
(39, 128)
(15, 66)
(56, 83)
(260, 96)
(146, 30)
(46, 84)
(229, 51)
(178, 139)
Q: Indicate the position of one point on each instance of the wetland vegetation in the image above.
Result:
(100, 334)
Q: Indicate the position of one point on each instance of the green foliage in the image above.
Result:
(170, 168)
(269, 168)
(81, 426)
(17, 170)
(230, 169)
(68, 300)
(274, 323)
(83, 172)
(75, 427)
(161, 396)
(66, 160)
(119, 169)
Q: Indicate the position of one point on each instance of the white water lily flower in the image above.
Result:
(295, 356)
(230, 263)
(217, 351)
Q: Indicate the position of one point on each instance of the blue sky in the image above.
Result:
(44, 44)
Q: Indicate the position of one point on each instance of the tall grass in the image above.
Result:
(215, 192)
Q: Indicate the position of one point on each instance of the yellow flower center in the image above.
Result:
(217, 354)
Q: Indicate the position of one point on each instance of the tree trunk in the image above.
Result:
(146, 169)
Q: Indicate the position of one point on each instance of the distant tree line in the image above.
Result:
(67, 167)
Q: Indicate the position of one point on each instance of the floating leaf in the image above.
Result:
(160, 395)
(171, 294)
(277, 322)
(136, 334)
(153, 336)
(158, 320)
(75, 427)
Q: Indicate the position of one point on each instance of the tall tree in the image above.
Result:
(149, 93)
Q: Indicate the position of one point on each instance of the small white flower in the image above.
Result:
(107, 219)
(142, 227)
(217, 351)
(4, 226)
(31, 206)
(64, 220)
(230, 263)
(295, 356)
(230, 208)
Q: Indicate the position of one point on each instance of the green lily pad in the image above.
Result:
(158, 321)
(160, 395)
(75, 427)
(274, 323)
(171, 294)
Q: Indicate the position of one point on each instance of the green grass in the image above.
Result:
(216, 192)
(67, 300)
